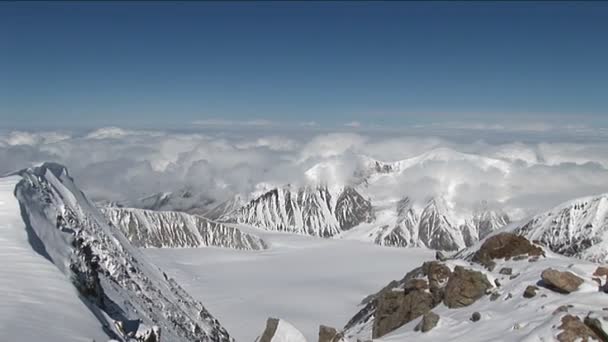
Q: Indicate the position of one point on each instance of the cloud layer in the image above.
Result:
(117, 164)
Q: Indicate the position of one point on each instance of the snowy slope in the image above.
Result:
(577, 228)
(506, 315)
(305, 280)
(113, 278)
(37, 299)
(146, 228)
(312, 211)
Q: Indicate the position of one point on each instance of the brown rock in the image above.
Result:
(428, 322)
(416, 284)
(394, 309)
(594, 324)
(328, 334)
(505, 245)
(573, 329)
(601, 271)
(271, 329)
(436, 272)
(465, 287)
(563, 282)
(530, 291)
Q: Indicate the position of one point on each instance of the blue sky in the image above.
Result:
(393, 64)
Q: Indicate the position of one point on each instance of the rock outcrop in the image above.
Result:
(465, 287)
(573, 329)
(428, 322)
(505, 246)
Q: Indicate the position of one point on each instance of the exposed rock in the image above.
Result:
(428, 322)
(395, 309)
(440, 256)
(465, 287)
(278, 330)
(271, 328)
(573, 329)
(328, 334)
(514, 276)
(530, 291)
(497, 283)
(416, 284)
(601, 271)
(436, 272)
(494, 296)
(563, 282)
(505, 245)
(506, 271)
(476, 316)
(594, 323)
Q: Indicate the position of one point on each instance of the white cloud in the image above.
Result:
(118, 164)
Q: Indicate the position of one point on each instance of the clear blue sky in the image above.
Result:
(331, 62)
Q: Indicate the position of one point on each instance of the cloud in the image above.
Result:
(353, 124)
(118, 164)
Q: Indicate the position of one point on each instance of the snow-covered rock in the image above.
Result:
(147, 228)
(114, 280)
(505, 313)
(577, 228)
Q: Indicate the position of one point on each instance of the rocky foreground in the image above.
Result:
(507, 289)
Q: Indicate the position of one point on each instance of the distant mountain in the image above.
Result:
(147, 228)
(131, 298)
(432, 226)
(307, 210)
(577, 228)
(189, 199)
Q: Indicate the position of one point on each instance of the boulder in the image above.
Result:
(530, 291)
(328, 334)
(505, 245)
(563, 282)
(601, 271)
(573, 329)
(506, 271)
(476, 316)
(394, 309)
(428, 322)
(464, 287)
(594, 322)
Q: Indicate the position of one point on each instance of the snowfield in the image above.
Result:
(305, 280)
(38, 303)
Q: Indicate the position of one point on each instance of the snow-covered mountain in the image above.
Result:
(127, 296)
(307, 210)
(433, 225)
(577, 228)
(188, 199)
(147, 228)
